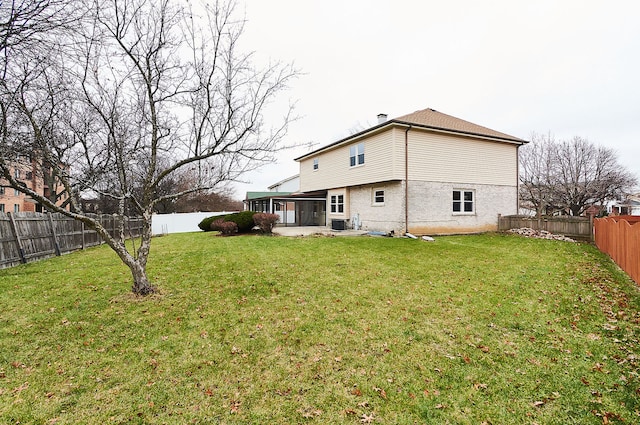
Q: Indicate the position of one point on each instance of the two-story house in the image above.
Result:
(422, 173)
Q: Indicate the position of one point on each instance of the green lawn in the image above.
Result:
(487, 329)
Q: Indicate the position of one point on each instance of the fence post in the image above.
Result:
(82, 232)
(53, 234)
(16, 236)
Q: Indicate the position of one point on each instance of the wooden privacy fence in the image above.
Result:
(29, 236)
(573, 227)
(619, 236)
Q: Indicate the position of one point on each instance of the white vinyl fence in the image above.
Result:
(162, 224)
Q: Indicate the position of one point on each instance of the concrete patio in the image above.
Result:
(313, 230)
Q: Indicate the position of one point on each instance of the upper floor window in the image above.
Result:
(463, 201)
(16, 192)
(356, 155)
(315, 164)
(16, 208)
(1, 190)
(337, 203)
(16, 173)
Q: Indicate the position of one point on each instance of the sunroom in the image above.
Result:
(294, 209)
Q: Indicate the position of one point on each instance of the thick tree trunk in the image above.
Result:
(141, 284)
(137, 264)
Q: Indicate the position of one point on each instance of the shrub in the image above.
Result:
(265, 221)
(217, 224)
(228, 227)
(243, 219)
(205, 224)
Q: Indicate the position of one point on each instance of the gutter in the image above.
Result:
(518, 179)
(391, 123)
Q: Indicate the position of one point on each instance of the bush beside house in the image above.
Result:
(266, 222)
(243, 221)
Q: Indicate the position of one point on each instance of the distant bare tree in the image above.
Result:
(25, 24)
(218, 199)
(537, 168)
(137, 92)
(570, 175)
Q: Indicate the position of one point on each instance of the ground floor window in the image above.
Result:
(378, 196)
(463, 201)
(337, 204)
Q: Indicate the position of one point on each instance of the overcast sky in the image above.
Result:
(569, 67)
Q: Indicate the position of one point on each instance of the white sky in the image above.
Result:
(568, 67)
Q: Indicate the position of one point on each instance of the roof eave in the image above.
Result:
(514, 140)
(347, 139)
(391, 123)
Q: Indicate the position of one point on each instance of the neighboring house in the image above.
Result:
(290, 184)
(630, 206)
(422, 173)
(26, 172)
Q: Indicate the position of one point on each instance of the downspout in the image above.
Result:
(406, 179)
(518, 179)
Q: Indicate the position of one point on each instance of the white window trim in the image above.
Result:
(357, 154)
(373, 196)
(473, 202)
(337, 204)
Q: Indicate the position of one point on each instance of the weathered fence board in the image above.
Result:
(574, 227)
(619, 237)
(28, 237)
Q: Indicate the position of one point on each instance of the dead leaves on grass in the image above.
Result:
(310, 412)
(382, 393)
(367, 419)
(235, 406)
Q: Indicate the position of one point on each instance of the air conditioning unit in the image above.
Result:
(338, 224)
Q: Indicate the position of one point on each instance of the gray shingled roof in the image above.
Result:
(431, 119)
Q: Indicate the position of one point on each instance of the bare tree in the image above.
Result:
(537, 168)
(139, 92)
(571, 175)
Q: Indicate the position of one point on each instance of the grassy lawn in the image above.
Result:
(488, 329)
